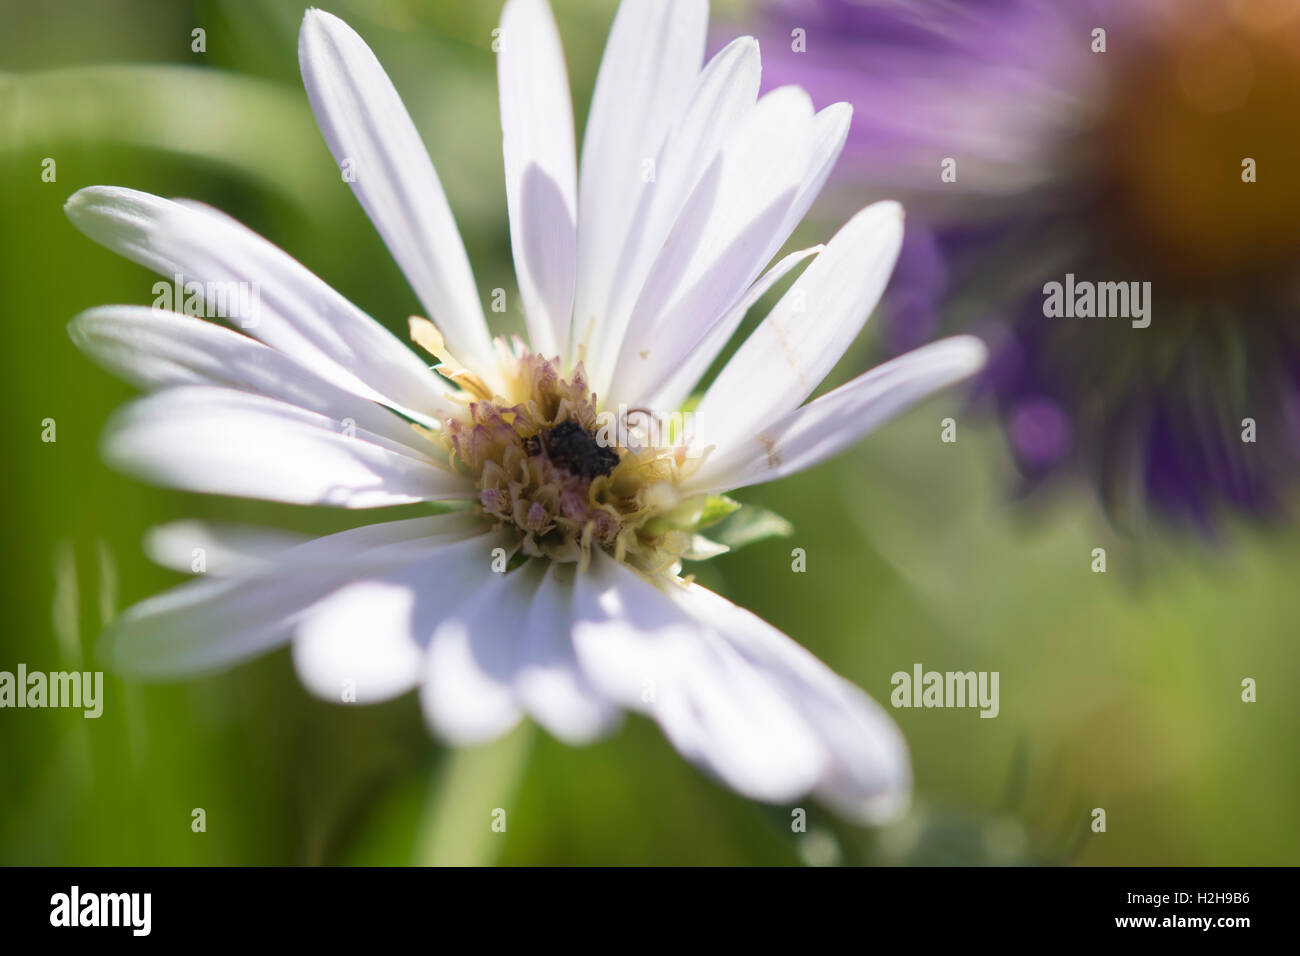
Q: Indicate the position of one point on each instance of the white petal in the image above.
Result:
(867, 776)
(156, 349)
(467, 693)
(830, 130)
(541, 181)
(644, 650)
(689, 360)
(220, 550)
(649, 68)
(728, 231)
(212, 623)
(806, 333)
(688, 355)
(283, 304)
(370, 132)
(371, 635)
(222, 441)
(838, 419)
(356, 646)
(549, 682)
(724, 94)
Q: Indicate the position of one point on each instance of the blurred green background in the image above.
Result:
(1119, 690)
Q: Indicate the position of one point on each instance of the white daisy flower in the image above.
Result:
(558, 591)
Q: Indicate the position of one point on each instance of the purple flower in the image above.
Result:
(1147, 143)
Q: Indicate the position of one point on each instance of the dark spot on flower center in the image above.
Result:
(573, 447)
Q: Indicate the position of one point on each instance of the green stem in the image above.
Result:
(467, 813)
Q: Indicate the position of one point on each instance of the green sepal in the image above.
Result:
(716, 508)
(703, 549)
(749, 525)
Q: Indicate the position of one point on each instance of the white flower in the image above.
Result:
(634, 275)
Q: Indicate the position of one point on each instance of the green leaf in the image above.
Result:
(260, 130)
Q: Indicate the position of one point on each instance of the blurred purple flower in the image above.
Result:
(1123, 165)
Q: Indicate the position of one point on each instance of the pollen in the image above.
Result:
(557, 469)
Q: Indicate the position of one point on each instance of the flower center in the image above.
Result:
(574, 449)
(567, 476)
(1196, 154)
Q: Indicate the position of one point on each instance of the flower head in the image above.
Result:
(1109, 142)
(556, 589)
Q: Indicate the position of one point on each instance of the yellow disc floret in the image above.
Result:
(566, 475)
